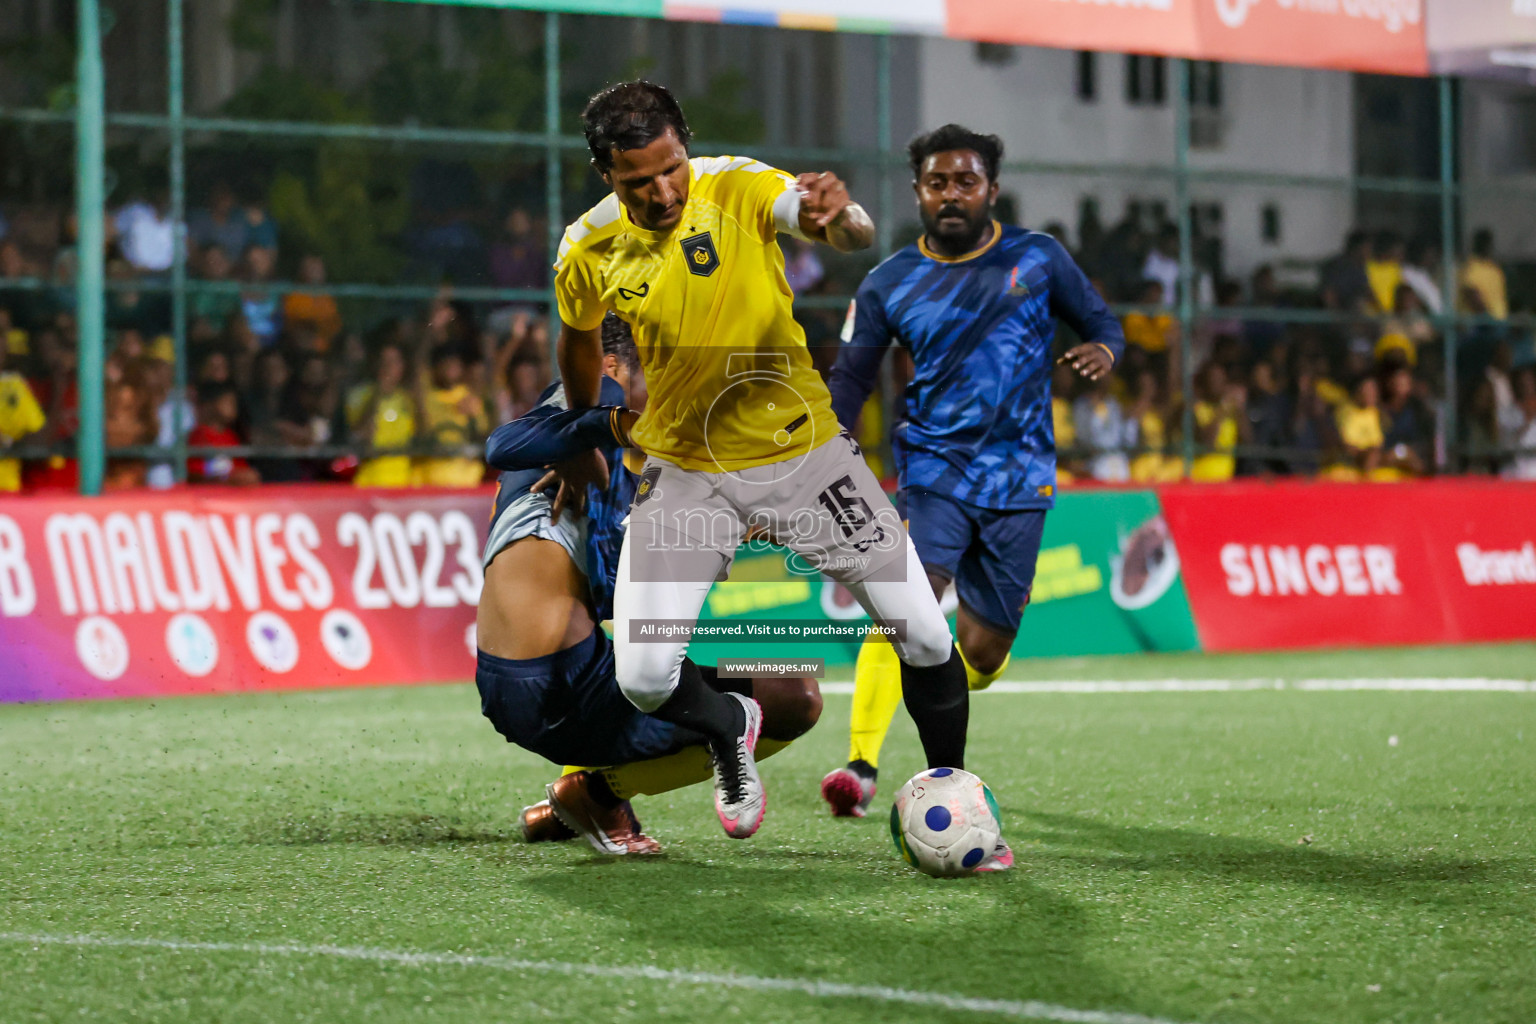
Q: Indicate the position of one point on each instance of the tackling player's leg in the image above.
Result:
(664, 574)
(791, 706)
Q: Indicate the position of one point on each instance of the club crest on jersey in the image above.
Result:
(647, 486)
(699, 253)
(1017, 286)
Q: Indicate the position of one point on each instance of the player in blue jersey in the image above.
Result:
(975, 303)
(545, 669)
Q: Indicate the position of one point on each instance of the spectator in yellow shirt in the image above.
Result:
(1154, 331)
(1359, 422)
(20, 415)
(1485, 277)
(1221, 422)
(382, 416)
(16, 340)
(1384, 270)
(452, 417)
(1064, 428)
(314, 310)
(1151, 464)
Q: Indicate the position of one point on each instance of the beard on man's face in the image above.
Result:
(956, 226)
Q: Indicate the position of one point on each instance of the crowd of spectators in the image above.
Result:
(1359, 394)
(298, 389)
(275, 373)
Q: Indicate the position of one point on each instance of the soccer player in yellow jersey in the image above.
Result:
(739, 432)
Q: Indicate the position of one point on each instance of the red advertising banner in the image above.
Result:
(224, 590)
(1360, 35)
(1386, 36)
(1134, 26)
(1295, 565)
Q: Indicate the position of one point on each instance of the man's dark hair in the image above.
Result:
(954, 136)
(631, 115)
(443, 351)
(1482, 243)
(619, 342)
(212, 391)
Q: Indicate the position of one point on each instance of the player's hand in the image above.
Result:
(1089, 360)
(823, 197)
(575, 475)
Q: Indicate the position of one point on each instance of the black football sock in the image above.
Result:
(693, 705)
(599, 790)
(739, 684)
(939, 702)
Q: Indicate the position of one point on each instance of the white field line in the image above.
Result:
(1015, 1009)
(1223, 685)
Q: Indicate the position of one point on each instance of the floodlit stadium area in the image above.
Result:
(1279, 853)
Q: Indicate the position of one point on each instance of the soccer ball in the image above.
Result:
(945, 822)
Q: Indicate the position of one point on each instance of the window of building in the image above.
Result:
(1205, 84)
(1269, 223)
(1207, 121)
(1087, 76)
(995, 54)
(1146, 80)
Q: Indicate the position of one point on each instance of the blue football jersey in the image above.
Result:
(979, 328)
(550, 433)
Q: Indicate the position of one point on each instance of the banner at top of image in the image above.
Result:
(1362, 35)
(1405, 37)
(1492, 37)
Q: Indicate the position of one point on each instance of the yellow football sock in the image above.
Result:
(674, 771)
(876, 692)
(980, 681)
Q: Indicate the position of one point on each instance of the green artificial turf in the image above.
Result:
(1248, 856)
(1487, 661)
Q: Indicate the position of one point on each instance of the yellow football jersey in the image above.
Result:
(731, 382)
(20, 415)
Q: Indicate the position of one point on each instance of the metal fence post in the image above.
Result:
(90, 209)
(1186, 256)
(1448, 250)
(884, 197)
(178, 168)
(552, 183)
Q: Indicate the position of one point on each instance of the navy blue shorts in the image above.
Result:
(568, 707)
(989, 554)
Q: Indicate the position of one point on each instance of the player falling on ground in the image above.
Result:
(739, 431)
(545, 669)
(975, 303)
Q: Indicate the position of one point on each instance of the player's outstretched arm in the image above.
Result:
(1075, 300)
(580, 354)
(828, 214)
(549, 434)
(865, 339)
